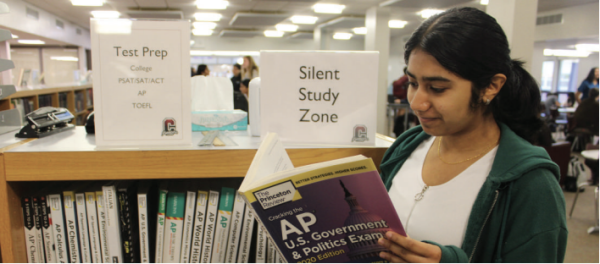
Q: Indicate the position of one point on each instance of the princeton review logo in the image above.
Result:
(169, 127)
(360, 133)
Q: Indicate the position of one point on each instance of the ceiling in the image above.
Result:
(260, 15)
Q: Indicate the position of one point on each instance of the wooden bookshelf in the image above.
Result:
(73, 156)
(76, 95)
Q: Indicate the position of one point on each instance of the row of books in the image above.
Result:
(79, 102)
(45, 100)
(25, 105)
(142, 222)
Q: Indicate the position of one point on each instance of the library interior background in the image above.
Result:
(54, 63)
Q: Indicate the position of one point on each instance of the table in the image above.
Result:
(591, 154)
(566, 109)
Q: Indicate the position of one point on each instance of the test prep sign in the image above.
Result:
(326, 97)
(141, 82)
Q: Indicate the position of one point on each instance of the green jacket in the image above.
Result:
(519, 213)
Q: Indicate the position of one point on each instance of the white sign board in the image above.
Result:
(141, 82)
(326, 97)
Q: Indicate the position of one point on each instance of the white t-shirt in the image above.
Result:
(443, 212)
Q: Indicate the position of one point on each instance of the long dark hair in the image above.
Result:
(471, 44)
(592, 75)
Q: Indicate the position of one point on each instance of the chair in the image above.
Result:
(594, 171)
(560, 153)
(581, 136)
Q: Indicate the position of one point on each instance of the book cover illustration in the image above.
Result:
(346, 228)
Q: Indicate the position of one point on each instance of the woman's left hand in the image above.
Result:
(406, 249)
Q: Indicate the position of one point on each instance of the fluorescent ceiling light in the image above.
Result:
(273, 34)
(566, 53)
(202, 32)
(360, 30)
(31, 41)
(60, 58)
(286, 27)
(204, 25)
(106, 14)
(192, 42)
(87, 2)
(113, 26)
(309, 20)
(328, 8)
(212, 4)
(427, 13)
(207, 16)
(14, 36)
(588, 47)
(397, 23)
(484, 2)
(344, 36)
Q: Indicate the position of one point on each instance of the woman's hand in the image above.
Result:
(406, 249)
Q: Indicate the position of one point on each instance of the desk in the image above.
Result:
(392, 109)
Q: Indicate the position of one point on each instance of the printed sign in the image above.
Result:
(327, 97)
(141, 82)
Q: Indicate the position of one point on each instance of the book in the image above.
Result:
(188, 226)
(270, 251)
(58, 227)
(199, 221)
(246, 237)
(82, 219)
(209, 227)
(127, 196)
(302, 227)
(174, 225)
(71, 224)
(147, 199)
(237, 217)
(223, 224)
(112, 223)
(49, 247)
(160, 221)
(33, 254)
(93, 223)
(261, 244)
(102, 226)
(39, 236)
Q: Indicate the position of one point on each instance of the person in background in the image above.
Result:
(589, 83)
(193, 71)
(587, 113)
(240, 98)
(570, 100)
(552, 106)
(203, 70)
(237, 77)
(467, 183)
(249, 68)
(400, 86)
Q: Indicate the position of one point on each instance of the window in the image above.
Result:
(567, 75)
(547, 75)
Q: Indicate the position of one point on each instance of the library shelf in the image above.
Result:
(73, 156)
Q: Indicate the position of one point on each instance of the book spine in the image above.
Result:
(143, 226)
(270, 251)
(71, 226)
(92, 220)
(261, 244)
(58, 228)
(113, 233)
(188, 224)
(102, 226)
(30, 232)
(246, 236)
(173, 227)
(84, 239)
(237, 217)
(128, 225)
(223, 224)
(209, 228)
(160, 225)
(39, 236)
(49, 247)
(200, 218)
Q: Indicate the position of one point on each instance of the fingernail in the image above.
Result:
(388, 234)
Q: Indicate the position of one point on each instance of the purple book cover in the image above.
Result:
(336, 214)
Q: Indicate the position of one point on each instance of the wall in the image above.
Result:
(578, 22)
(262, 43)
(396, 61)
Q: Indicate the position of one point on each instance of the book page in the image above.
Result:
(271, 157)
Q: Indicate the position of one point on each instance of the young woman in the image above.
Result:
(467, 183)
(249, 68)
(590, 82)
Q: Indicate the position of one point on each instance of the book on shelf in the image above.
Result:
(93, 223)
(163, 190)
(188, 224)
(102, 225)
(237, 219)
(174, 224)
(209, 227)
(127, 196)
(147, 201)
(243, 255)
(223, 223)
(270, 251)
(261, 244)
(199, 221)
(82, 224)
(29, 226)
(62, 100)
(49, 247)
(58, 227)
(113, 227)
(289, 204)
(71, 224)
